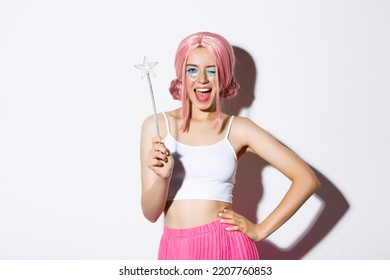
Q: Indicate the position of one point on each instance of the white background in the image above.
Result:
(313, 73)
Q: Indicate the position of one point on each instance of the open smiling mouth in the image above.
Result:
(202, 94)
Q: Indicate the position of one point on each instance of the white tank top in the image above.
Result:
(202, 172)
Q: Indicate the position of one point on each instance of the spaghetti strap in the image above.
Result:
(166, 122)
(229, 126)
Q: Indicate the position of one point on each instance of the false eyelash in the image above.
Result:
(192, 72)
(211, 74)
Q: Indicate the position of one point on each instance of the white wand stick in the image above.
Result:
(146, 68)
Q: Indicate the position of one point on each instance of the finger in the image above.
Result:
(227, 214)
(228, 221)
(157, 140)
(160, 156)
(228, 211)
(230, 224)
(155, 163)
(234, 224)
(232, 228)
(161, 148)
(230, 218)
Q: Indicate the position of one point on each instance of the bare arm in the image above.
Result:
(156, 170)
(303, 180)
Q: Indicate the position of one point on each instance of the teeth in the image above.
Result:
(203, 89)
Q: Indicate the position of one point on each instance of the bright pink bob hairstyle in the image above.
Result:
(223, 55)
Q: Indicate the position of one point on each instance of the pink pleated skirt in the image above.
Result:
(207, 242)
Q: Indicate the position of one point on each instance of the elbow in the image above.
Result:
(151, 218)
(150, 211)
(309, 183)
(314, 183)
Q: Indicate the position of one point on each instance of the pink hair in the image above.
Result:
(223, 55)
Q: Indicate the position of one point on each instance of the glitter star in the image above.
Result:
(146, 67)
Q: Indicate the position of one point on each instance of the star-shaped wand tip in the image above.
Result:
(146, 67)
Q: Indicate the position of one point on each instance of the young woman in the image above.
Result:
(189, 173)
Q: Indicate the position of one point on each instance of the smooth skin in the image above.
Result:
(245, 136)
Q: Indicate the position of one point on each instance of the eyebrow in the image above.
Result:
(194, 65)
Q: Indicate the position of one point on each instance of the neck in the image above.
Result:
(196, 114)
(202, 116)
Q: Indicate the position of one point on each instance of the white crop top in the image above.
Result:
(202, 172)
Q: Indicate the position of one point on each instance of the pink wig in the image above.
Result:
(223, 54)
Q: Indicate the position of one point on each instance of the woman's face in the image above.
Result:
(201, 79)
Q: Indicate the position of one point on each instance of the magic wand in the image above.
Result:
(147, 70)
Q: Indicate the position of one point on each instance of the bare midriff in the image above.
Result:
(191, 213)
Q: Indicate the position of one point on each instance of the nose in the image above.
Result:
(203, 77)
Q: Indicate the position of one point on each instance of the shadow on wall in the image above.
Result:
(248, 190)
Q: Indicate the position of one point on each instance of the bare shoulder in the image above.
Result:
(148, 125)
(246, 133)
(245, 125)
(148, 122)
